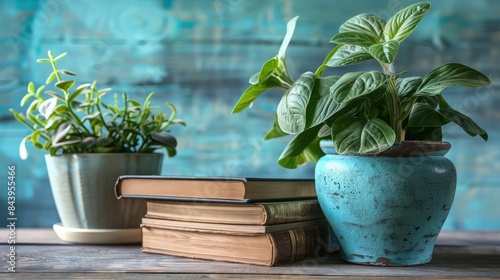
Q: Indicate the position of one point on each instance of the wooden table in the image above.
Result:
(41, 255)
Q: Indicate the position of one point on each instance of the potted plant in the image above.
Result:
(90, 142)
(375, 137)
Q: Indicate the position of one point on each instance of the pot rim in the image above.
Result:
(103, 154)
(401, 149)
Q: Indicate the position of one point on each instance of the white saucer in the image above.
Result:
(98, 236)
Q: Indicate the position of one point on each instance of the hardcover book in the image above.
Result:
(228, 228)
(252, 248)
(259, 213)
(213, 188)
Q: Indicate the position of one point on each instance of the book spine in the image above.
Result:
(298, 244)
(278, 213)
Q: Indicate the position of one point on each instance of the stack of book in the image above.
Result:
(254, 221)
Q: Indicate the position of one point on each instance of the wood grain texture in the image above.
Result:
(447, 262)
(32, 236)
(465, 255)
(158, 276)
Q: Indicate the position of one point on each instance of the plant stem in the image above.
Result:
(66, 94)
(393, 102)
(54, 67)
(283, 76)
(407, 111)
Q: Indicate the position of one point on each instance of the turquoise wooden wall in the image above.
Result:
(199, 55)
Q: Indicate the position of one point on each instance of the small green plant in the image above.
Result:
(361, 112)
(75, 119)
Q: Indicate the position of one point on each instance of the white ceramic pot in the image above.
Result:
(83, 188)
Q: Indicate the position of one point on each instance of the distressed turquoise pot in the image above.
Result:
(387, 209)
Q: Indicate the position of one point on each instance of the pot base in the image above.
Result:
(98, 236)
(416, 259)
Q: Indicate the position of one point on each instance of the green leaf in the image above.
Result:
(328, 57)
(424, 134)
(365, 23)
(174, 112)
(35, 119)
(251, 93)
(407, 86)
(70, 141)
(290, 28)
(33, 106)
(47, 145)
(179, 121)
(60, 56)
(31, 88)
(149, 127)
(273, 73)
(47, 107)
(52, 124)
(313, 152)
(26, 98)
(77, 105)
(466, 123)
(42, 60)
(136, 104)
(54, 94)
(171, 151)
(19, 117)
(23, 152)
(147, 101)
(166, 139)
(402, 24)
(131, 136)
(61, 133)
(104, 142)
(442, 102)
(39, 90)
(451, 75)
(89, 142)
(348, 55)
(64, 85)
(325, 131)
(432, 101)
(267, 69)
(104, 150)
(355, 38)
(67, 72)
(275, 130)
(254, 79)
(321, 105)
(385, 52)
(103, 92)
(35, 140)
(360, 136)
(77, 92)
(94, 115)
(291, 110)
(372, 113)
(294, 153)
(50, 78)
(424, 115)
(357, 84)
(53, 150)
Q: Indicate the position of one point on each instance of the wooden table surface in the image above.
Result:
(41, 255)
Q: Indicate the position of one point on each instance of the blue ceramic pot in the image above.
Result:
(387, 209)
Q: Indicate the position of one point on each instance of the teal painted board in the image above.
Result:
(199, 55)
